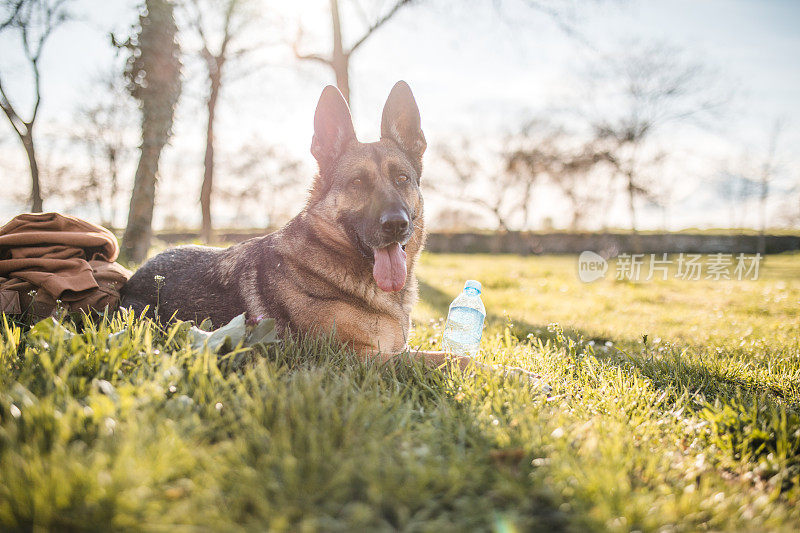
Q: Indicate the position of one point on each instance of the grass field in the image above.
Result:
(674, 408)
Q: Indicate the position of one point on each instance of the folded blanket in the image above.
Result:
(46, 257)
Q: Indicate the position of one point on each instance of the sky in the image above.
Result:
(478, 69)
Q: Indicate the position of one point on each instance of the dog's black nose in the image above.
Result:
(394, 224)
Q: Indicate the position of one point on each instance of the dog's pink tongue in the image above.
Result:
(390, 267)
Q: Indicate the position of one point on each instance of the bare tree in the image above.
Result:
(648, 88)
(532, 153)
(753, 176)
(562, 12)
(154, 79)
(35, 21)
(790, 212)
(9, 10)
(218, 24)
(339, 57)
(766, 175)
(573, 170)
(103, 129)
(734, 185)
(530, 158)
(489, 181)
(569, 161)
(261, 179)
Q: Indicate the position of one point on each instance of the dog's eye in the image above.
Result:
(357, 182)
(402, 178)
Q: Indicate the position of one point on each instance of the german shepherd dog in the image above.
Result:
(343, 266)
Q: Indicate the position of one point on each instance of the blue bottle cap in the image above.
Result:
(473, 284)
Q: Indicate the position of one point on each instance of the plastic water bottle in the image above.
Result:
(464, 327)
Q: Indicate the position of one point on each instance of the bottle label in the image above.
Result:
(463, 331)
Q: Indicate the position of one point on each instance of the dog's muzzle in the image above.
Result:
(395, 225)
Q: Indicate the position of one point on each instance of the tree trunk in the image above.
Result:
(113, 171)
(632, 201)
(577, 216)
(502, 225)
(762, 213)
(526, 205)
(208, 162)
(157, 59)
(36, 191)
(340, 61)
(136, 240)
(342, 67)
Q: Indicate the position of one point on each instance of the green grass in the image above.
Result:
(116, 423)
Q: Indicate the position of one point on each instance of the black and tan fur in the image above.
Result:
(315, 274)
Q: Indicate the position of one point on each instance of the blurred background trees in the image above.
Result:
(219, 26)
(571, 166)
(153, 73)
(33, 21)
(604, 142)
(259, 178)
(650, 86)
(371, 16)
(105, 131)
(481, 179)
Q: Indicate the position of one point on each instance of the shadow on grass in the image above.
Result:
(407, 443)
(751, 418)
(440, 302)
(667, 369)
(304, 435)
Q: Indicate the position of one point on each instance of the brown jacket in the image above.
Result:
(46, 257)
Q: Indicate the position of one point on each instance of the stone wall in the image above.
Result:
(607, 244)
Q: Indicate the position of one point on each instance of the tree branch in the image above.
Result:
(10, 112)
(377, 24)
(308, 57)
(11, 19)
(312, 57)
(38, 91)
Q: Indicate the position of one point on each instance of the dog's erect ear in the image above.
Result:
(400, 123)
(333, 127)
